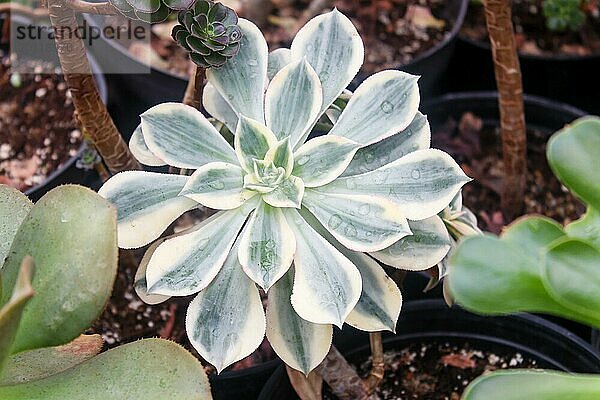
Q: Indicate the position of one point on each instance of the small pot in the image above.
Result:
(243, 384)
(550, 345)
(68, 172)
(566, 78)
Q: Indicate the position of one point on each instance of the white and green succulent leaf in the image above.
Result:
(362, 186)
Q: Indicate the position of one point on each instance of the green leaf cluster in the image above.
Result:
(562, 15)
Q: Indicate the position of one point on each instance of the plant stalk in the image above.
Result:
(377, 362)
(195, 88)
(498, 18)
(91, 111)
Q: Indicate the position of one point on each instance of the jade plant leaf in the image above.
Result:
(529, 384)
(71, 235)
(587, 227)
(150, 369)
(14, 207)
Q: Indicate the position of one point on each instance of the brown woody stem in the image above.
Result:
(104, 8)
(91, 111)
(195, 88)
(377, 362)
(510, 91)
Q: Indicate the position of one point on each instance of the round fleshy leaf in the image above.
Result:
(218, 107)
(140, 150)
(14, 207)
(587, 227)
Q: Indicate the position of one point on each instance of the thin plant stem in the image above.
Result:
(377, 362)
(195, 88)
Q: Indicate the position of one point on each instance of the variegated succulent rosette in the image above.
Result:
(303, 220)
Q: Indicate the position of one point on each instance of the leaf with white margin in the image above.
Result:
(423, 183)
(333, 48)
(289, 193)
(186, 264)
(417, 136)
(147, 203)
(139, 281)
(252, 141)
(427, 246)
(282, 156)
(322, 159)
(301, 345)
(293, 101)
(278, 59)
(267, 246)
(241, 81)
(218, 107)
(182, 137)
(140, 150)
(384, 104)
(380, 301)
(327, 285)
(217, 185)
(14, 208)
(226, 321)
(360, 222)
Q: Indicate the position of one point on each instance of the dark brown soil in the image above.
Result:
(436, 371)
(477, 148)
(533, 37)
(38, 132)
(393, 35)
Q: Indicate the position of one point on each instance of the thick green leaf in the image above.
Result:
(149, 369)
(423, 183)
(300, 344)
(427, 246)
(147, 203)
(529, 384)
(573, 156)
(322, 159)
(241, 81)
(267, 247)
(218, 107)
(14, 207)
(327, 285)
(182, 137)
(333, 47)
(252, 141)
(226, 321)
(217, 185)
(71, 235)
(359, 222)
(383, 105)
(293, 101)
(587, 227)
(41, 363)
(417, 136)
(12, 312)
(140, 150)
(278, 59)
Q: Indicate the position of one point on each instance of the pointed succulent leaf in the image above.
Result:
(140, 283)
(14, 207)
(150, 369)
(217, 185)
(241, 81)
(12, 311)
(282, 156)
(267, 247)
(226, 321)
(587, 227)
(423, 183)
(147, 203)
(186, 264)
(327, 285)
(333, 47)
(429, 243)
(288, 193)
(218, 107)
(38, 364)
(521, 384)
(71, 235)
(322, 159)
(384, 104)
(252, 141)
(140, 150)
(293, 101)
(278, 59)
(182, 137)
(573, 156)
(417, 136)
(300, 344)
(359, 222)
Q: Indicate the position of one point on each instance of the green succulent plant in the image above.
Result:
(69, 235)
(562, 15)
(209, 32)
(303, 220)
(152, 11)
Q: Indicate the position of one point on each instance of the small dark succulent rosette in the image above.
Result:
(152, 11)
(209, 32)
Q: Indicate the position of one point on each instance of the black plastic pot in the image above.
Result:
(431, 320)
(67, 172)
(245, 384)
(571, 79)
